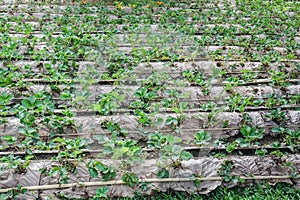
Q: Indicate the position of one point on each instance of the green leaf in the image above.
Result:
(246, 130)
(107, 150)
(101, 192)
(101, 139)
(5, 97)
(54, 171)
(197, 182)
(168, 148)
(9, 138)
(29, 157)
(63, 154)
(202, 137)
(110, 174)
(59, 140)
(164, 173)
(26, 103)
(118, 153)
(278, 129)
(186, 155)
(93, 172)
(171, 120)
(173, 139)
(159, 120)
(230, 147)
(130, 179)
(124, 132)
(65, 95)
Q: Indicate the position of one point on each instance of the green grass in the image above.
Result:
(259, 191)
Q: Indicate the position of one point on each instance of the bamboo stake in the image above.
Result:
(93, 151)
(259, 81)
(27, 58)
(179, 98)
(89, 112)
(126, 111)
(148, 180)
(37, 31)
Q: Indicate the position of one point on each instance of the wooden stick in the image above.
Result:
(93, 151)
(148, 180)
(39, 80)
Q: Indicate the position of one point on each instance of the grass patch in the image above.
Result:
(257, 191)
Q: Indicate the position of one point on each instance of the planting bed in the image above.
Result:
(117, 99)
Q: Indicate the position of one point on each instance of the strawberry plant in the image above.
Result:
(101, 193)
(196, 77)
(108, 102)
(130, 179)
(251, 134)
(127, 150)
(277, 116)
(114, 128)
(16, 163)
(97, 168)
(143, 117)
(202, 138)
(174, 122)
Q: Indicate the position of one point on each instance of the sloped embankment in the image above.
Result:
(101, 100)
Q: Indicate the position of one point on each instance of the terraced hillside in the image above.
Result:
(102, 100)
